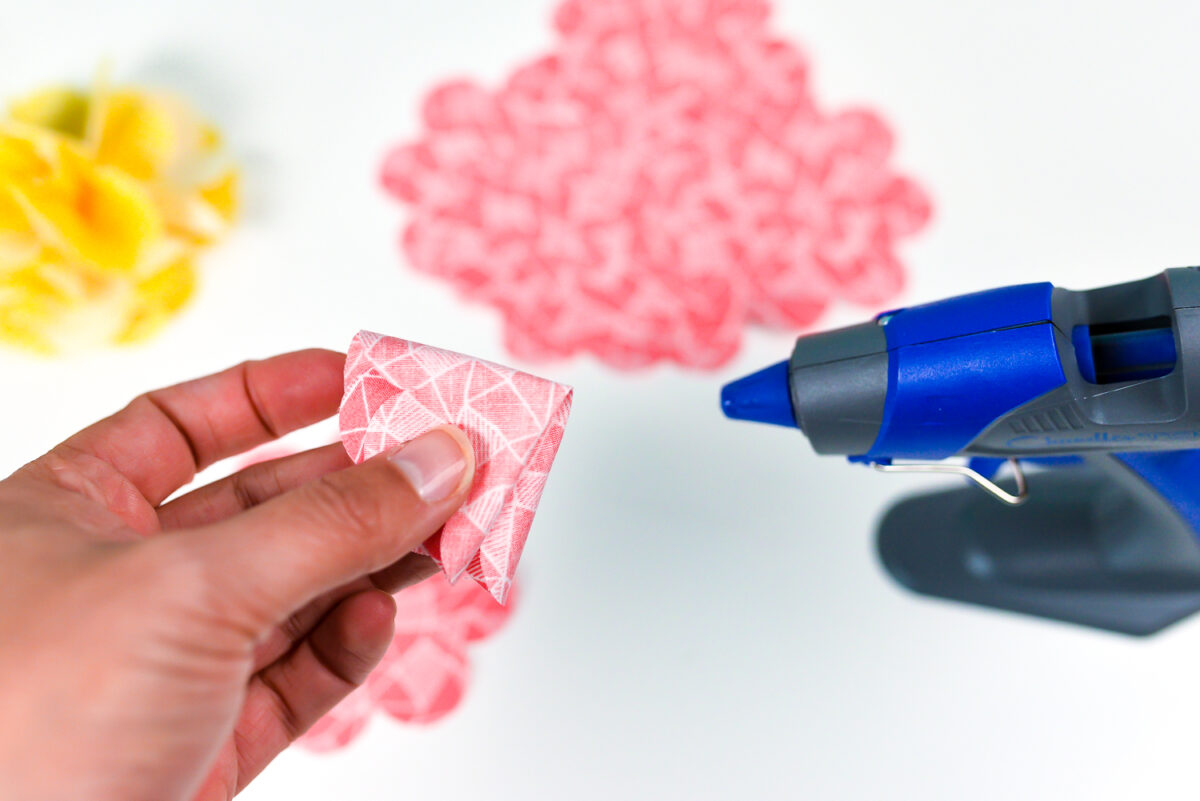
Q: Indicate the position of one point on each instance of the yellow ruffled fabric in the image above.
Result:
(106, 197)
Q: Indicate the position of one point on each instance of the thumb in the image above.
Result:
(280, 555)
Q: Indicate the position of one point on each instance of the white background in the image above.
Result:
(704, 616)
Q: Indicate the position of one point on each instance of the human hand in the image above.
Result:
(165, 651)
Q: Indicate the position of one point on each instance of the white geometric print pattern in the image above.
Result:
(397, 390)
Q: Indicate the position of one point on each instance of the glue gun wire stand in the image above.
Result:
(985, 483)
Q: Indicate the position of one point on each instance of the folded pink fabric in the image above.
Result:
(397, 390)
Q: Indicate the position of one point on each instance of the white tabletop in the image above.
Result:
(704, 615)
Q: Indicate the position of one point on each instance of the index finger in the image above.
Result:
(162, 438)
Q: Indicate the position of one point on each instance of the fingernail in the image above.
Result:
(433, 463)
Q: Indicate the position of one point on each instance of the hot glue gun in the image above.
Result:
(1089, 400)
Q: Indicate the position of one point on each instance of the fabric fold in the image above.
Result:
(397, 390)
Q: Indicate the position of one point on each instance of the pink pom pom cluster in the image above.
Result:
(660, 180)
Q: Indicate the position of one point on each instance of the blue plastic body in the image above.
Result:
(762, 397)
(956, 365)
(1081, 339)
(1175, 475)
(989, 310)
(952, 372)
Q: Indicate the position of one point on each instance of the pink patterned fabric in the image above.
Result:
(397, 390)
(424, 674)
(660, 179)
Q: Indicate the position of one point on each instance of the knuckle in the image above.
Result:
(291, 721)
(295, 626)
(255, 485)
(244, 492)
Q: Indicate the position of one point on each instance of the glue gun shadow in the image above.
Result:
(1083, 549)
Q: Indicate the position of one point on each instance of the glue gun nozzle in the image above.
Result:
(763, 397)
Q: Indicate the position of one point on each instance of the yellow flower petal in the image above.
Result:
(21, 161)
(21, 154)
(137, 134)
(17, 251)
(222, 194)
(29, 306)
(20, 329)
(12, 217)
(210, 139)
(158, 298)
(53, 308)
(67, 283)
(95, 214)
(203, 216)
(60, 109)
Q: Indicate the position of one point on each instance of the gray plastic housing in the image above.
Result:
(1094, 545)
(838, 381)
(1079, 416)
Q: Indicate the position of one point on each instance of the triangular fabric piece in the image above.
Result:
(397, 390)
